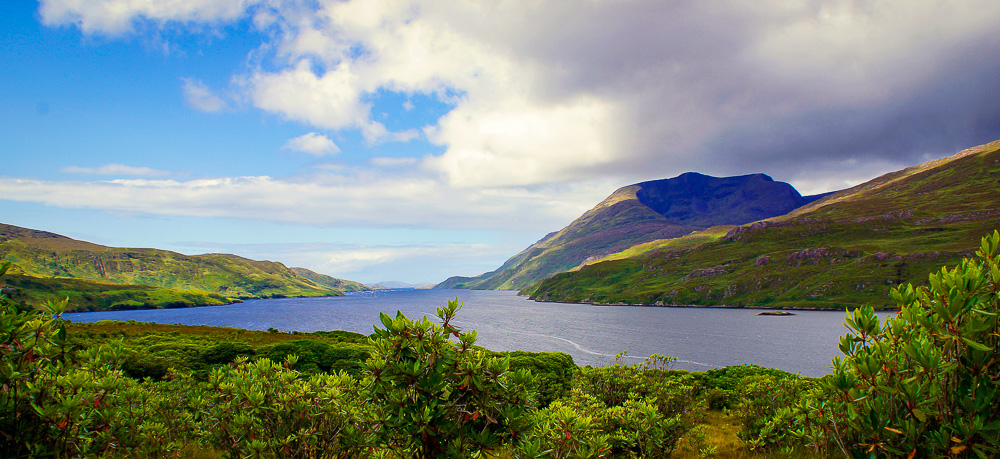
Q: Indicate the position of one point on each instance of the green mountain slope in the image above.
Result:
(331, 282)
(216, 277)
(94, 295)
(635, 214)
(843, 250)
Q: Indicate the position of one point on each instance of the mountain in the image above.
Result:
(843, 250)
(331, 282)
(640, 213)
(49, 265)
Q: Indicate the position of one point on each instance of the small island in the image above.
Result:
(775, 313)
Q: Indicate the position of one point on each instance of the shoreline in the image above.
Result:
(232, 302)
(714, 306)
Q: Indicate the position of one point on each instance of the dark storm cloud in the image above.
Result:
(757, 87)
(956, 107)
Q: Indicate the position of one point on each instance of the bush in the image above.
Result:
(765, 409)
(264, 409)
(58, 403)
(925, 383)
(439, 398)
(552, 372)
(724, 387)
(226, 352)
(622, 409)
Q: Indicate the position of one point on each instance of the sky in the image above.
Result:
(416, 140)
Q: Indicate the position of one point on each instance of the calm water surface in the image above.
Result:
(700, 338)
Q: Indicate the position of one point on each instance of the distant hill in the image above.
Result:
(397, 284)
(59, 266)
(843, 250)
(331, 282)
(644, 212)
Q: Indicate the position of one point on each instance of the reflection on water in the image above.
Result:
(700, 338)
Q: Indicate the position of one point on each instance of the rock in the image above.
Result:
(705, 272)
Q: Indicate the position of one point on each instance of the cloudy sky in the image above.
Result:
(414, 140)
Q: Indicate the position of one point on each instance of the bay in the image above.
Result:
(700, 338)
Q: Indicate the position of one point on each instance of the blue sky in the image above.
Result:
(412, 141)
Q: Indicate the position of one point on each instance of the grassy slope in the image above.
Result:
(844, 250)
(90, 295)
(331, 282)
(42, 255)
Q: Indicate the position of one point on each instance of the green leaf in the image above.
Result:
(975, 345)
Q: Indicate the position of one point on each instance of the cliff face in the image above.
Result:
(643, 212)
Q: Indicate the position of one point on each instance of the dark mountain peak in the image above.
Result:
(639, 213)
(702, 200)
(698, 177)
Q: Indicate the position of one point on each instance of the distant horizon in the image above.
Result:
(419, 140)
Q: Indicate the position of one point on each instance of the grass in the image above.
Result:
(719, 436)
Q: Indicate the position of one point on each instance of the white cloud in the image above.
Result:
(350, 198)
(562, 90)
(556, 91)
(115, 169)
(114, 17)
(200, 97)
(313, 144)
(518, 143)
(329, 101)
(376, 262)
(392, 162)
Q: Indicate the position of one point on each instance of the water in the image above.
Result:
(700, 338)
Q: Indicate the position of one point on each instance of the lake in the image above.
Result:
(700, 338)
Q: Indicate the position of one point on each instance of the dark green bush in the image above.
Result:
(552, 372)
(317, 356)
(226, 352)
(723, 387)
(142, 367)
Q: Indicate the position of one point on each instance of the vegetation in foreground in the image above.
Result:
(923, 384)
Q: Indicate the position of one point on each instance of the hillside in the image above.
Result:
(635, 214)
(331, 282)
(843, 250)
(68, 267)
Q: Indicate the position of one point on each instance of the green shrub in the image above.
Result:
(439, 398)
(226, 352)
(621, 410)
(925, 383)
(264, 409)
(317, 356)
(765, 409)
(564, 431)
(58, 403)
(723, 387)
(552, 372)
